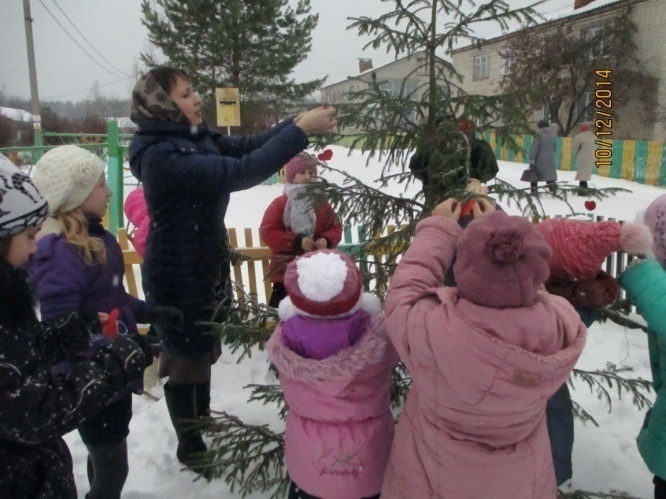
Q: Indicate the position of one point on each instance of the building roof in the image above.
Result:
(16, 114)
(368, 71)
(590, 10)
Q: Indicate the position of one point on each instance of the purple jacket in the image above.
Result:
(64, 283)
(315, 338)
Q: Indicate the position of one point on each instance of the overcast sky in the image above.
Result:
(116, 38)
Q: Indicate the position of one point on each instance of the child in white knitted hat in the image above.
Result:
(47, 388)
(79, 266)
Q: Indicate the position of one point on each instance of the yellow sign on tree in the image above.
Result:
(228, 107)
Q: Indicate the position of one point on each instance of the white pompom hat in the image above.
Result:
(325, 283)
(66, 176)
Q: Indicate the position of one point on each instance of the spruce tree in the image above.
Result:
(253, 46)
(250, 457)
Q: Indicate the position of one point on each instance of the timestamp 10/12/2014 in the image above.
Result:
(603, 107)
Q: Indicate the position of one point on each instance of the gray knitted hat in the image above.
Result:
(21, 204)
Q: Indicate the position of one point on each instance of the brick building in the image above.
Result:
(483, 68)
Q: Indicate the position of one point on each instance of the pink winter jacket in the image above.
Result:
(339, 425)
(137, 213)
(473, 425)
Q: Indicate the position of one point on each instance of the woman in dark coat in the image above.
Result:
(54, 377)
(188, 173)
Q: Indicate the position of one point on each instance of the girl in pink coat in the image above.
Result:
(137, 213)
(334, 361)
(484, 358)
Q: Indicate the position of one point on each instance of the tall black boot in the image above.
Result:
(181, 402)
(203, 399)
(107, 470)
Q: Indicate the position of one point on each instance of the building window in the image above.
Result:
(584, 106)
(599, 46)
(481, 67)
(400, 88)
(424, 64)
(507, 61)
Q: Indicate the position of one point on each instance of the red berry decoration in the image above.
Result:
(466, 207)
(590, 204)
(325, 155)
(110, 329)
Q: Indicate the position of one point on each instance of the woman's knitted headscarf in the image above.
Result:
(151, 102)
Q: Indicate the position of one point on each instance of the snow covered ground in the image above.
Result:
(605, 457)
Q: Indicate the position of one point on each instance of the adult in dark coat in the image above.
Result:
(482, 162)
(188, 173)
(52, 378)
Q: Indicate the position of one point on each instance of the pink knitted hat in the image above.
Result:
(655, 219)
(323, 283)
(580, 248)
(301, 162)
(502, 261)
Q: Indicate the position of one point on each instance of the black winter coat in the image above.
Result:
(47, 388)
(187, 175)
(482, 166)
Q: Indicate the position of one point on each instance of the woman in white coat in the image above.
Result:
(583, 148)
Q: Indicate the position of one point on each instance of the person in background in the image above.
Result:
(458, 139)
(136, 212)
(53, 376)
(334, 361)
(295, 223)
(484, 357)
(188, 173)
(79, 266)
(542, 156)
(645, 283)
(583, 148)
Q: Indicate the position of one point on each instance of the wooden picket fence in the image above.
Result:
(251, 275)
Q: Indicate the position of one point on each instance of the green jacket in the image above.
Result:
(645, 284)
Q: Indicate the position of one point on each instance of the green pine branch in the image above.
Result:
(603, 381)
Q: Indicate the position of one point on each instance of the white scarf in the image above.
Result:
(299, 214)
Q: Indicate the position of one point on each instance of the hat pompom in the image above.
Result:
(655, 219)
(505, 246)
(635, 239)
(323, 283)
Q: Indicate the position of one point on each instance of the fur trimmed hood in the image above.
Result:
(372, 348)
